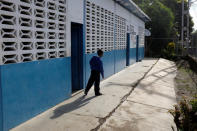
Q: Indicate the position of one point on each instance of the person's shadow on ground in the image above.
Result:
(78, 103)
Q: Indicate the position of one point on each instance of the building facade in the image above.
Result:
(46, 45)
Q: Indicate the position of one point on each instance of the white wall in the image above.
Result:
(107, 4)
(75, 12)
(131, 19)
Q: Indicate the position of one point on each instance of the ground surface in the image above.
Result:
(146, 108)
(135, 99)
(186, 81)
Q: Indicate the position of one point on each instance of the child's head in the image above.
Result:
(100, 53)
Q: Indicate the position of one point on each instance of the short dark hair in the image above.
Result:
(99, 52)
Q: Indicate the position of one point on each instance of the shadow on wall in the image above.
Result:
(80, 102)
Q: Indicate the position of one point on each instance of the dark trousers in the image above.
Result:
(94, 79)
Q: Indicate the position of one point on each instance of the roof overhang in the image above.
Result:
(134, 9)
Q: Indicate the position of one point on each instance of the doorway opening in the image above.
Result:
(77, 56)
(137, 49)
(128, 50)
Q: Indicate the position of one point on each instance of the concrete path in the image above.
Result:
(123, 107)
(146, 109)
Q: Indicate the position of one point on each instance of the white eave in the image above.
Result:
(134, 9)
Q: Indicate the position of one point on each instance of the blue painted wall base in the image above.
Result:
(132, 56)
(113, 62)
(108, 64)
(31, 88)
(120, 60)
(141, 53)
(27, 89)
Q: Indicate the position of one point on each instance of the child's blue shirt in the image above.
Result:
(97, 64)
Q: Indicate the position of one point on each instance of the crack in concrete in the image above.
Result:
(103, 120)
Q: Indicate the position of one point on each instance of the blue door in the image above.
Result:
(128, 50)
(137, 48)
(77, 56)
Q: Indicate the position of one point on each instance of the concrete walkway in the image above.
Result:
(135, 99)
(146, 109)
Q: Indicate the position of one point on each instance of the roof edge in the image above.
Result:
(133, 8)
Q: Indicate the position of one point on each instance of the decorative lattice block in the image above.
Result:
(120, 33)
(99, 28)
(141, 31)
(32, 30)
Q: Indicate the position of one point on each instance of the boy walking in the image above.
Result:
(96, 66)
